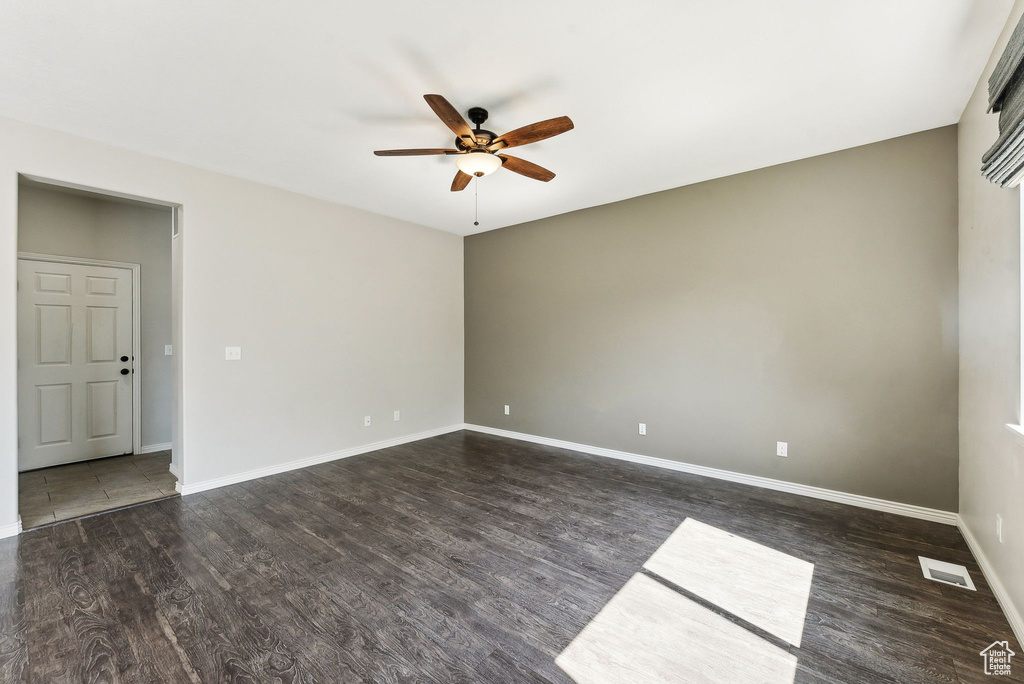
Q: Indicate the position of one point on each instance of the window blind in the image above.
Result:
(1004, 162)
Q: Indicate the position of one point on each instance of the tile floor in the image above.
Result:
(70, 491)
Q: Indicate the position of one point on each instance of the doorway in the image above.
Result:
(95, 374)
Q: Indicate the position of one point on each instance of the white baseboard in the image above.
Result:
(155, 447)
(935, 515)
(194, 487)
(1013, 616)
(173, 467)
(11, 529)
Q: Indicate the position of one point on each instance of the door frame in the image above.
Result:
(137, 363)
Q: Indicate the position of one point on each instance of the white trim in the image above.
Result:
(1017, 430)
(98, 191)
(179, 437)
(1020, 327)
(150, 448)
(173, 468)
(136, 270)
(11, 529)
(909, 510)
(1013, 616)
(194, 487)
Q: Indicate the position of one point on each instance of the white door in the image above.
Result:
(74, 362)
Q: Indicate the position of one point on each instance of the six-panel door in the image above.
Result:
(74, 389)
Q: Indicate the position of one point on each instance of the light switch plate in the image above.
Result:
(167, 350)
(233, 353)
(506, 409)
(398, 416)
(366, 421)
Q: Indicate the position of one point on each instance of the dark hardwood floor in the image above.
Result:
(462, 558)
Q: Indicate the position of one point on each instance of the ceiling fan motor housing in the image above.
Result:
(483, 139)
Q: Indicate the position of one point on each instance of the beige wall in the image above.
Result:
(52, 222)
(813, 302)
(340, 313)
(991, 461)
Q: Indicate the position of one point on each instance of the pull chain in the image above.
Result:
(476, 201)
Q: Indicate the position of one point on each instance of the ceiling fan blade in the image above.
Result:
(413, 153)
(532, 133)
(525, 168)
(461, 181)
(450, 116)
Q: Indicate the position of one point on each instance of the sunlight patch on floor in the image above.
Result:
(765, 587)
(729, 593)
(649, 633)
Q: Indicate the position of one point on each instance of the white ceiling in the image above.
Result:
(298, 94)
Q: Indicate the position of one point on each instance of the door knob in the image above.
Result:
(123, 359)
(125, 371)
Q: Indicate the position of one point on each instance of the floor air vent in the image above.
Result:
(947, 573)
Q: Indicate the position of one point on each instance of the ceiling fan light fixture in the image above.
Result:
(478, 163)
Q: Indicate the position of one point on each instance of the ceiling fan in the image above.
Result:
(477, 149)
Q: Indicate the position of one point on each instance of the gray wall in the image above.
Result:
(991, 460)
(813, 302)
(54, 222)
